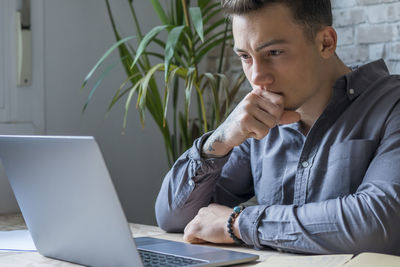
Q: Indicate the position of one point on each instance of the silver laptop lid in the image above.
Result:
(55, 181)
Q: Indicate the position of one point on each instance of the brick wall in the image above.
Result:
(368, 30)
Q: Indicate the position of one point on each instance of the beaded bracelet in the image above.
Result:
(236, 211)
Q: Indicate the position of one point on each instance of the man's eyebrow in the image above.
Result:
(263, 45)
(269, 43)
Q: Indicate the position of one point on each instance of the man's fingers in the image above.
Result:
(259, 119)
(289, 117)
(258, 130)
(190, 238)
(270, 103)
(196, 240)
(275, 98)
(261, 131)
(191, 231)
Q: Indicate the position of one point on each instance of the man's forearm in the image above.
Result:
(181, 185)
(214, 146)
(358, 222)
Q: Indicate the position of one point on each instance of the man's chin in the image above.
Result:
(291, 108)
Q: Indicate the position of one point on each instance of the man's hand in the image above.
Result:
(209, 225)
(253, 117)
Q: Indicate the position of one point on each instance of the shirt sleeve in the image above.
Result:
(195, 182)
(364, 221)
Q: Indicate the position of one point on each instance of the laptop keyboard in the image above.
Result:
(151, 258)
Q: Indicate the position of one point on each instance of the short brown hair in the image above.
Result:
(313, 15)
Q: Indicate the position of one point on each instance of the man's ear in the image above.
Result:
(326, 41)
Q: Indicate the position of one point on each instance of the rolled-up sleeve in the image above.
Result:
(194, 182)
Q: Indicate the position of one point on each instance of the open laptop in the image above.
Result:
(8, 204)
(73, 213)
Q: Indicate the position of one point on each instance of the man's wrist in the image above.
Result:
(214, 151)
(233, 225)
(214, 147)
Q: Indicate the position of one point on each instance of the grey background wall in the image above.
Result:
(77, 33)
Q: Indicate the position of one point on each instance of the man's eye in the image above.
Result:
(275, 53)
(244, 57)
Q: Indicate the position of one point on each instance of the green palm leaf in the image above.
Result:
(103, 75)
(145, 85)
(128, 102)
(118, 95)
(208, 47)
(146, 40)
(160, 12)
(203, 3)
(208, 8)
(213, 83)
(171, 45)
(101, 60)
(184, 49)
(190, 78)
(197, 20)
(171, 76)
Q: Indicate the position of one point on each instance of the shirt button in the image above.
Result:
(351, 91)
(191, 183)
(304, 164)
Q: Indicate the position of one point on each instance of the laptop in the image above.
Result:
(73, 213)
(8, 204)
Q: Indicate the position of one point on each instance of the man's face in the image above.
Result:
(276, 55)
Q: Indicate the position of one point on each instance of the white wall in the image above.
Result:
(76, 35)
(21, 108)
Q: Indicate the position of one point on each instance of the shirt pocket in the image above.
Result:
(344, 168)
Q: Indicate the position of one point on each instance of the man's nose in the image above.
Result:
(261, 75)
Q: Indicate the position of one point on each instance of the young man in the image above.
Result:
(316, 143)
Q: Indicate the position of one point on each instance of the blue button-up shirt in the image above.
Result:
(335, 190)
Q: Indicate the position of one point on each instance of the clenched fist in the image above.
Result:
(253, 117)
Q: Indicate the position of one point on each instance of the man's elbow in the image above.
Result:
(374, 239)
(169, 223)
(167, 219)
(379, 244)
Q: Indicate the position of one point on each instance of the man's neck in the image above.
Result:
(311, 111)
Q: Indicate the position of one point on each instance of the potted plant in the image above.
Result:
(193, 31)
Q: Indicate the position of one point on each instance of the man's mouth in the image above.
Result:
(275, 92)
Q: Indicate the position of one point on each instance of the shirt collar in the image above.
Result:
(354, 83)
(360, 78)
